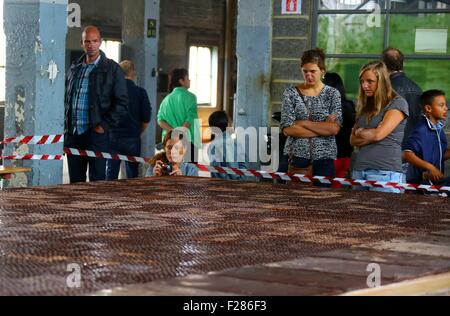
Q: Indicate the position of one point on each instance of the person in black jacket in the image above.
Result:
(345, 150)
(126, 138)
(405, 87)
(95, 101)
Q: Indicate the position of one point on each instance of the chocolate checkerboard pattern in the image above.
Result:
(139, 231)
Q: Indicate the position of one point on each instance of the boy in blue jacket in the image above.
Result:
(224, 151)
(426, 148)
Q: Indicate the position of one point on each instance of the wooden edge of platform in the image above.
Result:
(10, 170)
(416, 287)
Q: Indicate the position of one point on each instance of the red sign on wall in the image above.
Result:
(291, 7)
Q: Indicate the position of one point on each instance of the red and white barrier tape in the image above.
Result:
(244, 172)
(33, 157)
(76, 152)
(323, 180)
(92, 154)
(34, 140)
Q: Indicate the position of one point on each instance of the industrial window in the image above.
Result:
(2, 56)
(354, 32)
(203, 72)
(111, 49)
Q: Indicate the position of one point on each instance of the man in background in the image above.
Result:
(96, 99)
(126, 138)
(405, 87)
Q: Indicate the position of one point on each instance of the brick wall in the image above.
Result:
(181, 21)
(290, 38)
(181, 18)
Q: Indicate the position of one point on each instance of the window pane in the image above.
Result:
(351, 33)
(201, 73)
(428, 74)
(111, 49)
(351, 4)
(418, 4)
(348, 69)
(420, 33)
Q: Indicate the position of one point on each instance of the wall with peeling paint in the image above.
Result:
(35, 33)
(143, 51)
(254, 32)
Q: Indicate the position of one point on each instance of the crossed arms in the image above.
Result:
(310, 129)
(364, 136)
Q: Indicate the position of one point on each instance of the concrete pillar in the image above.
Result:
(36, 36)
(254, 32)
(253, 51)
(140, 38)
(230, 51)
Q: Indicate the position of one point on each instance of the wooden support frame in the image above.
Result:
(429, 285)
(6, 172)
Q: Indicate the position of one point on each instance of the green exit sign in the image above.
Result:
(151, 28)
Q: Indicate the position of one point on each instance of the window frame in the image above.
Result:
(387, 12)
(212, 41)
(387, 21)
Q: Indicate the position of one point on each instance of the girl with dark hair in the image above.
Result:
(178, 79)
(311, 116)
(179, 110)
(345, 150)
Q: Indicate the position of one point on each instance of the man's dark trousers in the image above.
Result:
(78, 166)
(123, 145)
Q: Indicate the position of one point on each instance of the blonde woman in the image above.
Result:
(379, 129)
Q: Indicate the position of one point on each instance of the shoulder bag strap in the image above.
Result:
(308, 112)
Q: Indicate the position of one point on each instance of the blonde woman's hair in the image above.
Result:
(384, 94)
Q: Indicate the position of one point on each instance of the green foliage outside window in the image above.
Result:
(348, 34)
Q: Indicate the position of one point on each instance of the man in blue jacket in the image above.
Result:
(126, 138)
(95, 101)
(426, 147)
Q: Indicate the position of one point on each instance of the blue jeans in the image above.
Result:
(128, 146)
(78, 166)
(324, 168)
(379, 175)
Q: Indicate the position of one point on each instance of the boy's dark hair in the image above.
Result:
(175, 77)
(427, 97)
(219, 119)
(393, 58)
